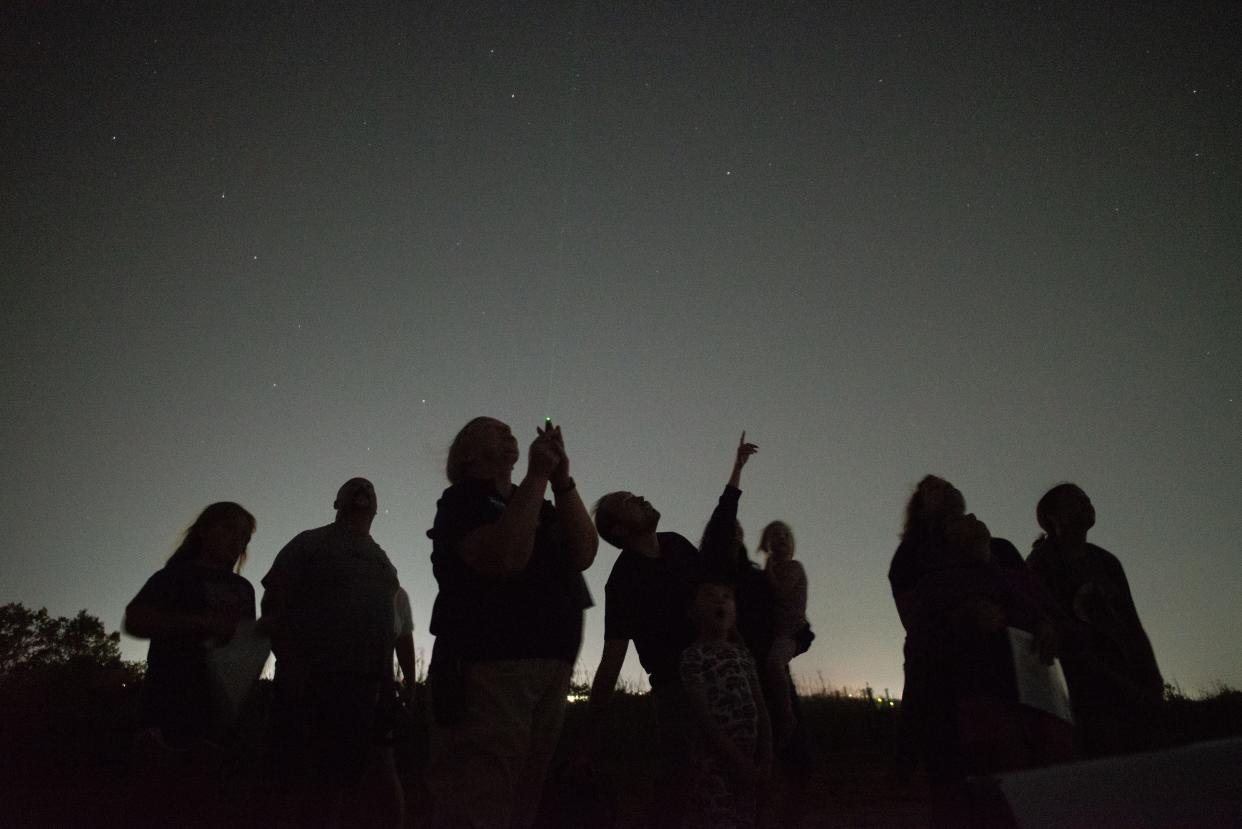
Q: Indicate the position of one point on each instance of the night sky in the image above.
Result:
(250, 250)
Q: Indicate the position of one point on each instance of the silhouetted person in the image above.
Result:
(646, 598)
(725, 555)
(731, 747)
(645, 601)
(759, 615)
(922, 550)
(197, 598)
(404, 645)
(194, 602)
(329, 606)
(507, 622)
(1114, 682)
(961, 671)
(390, 799)
(787, 578)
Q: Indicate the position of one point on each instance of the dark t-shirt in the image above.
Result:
(536, 614)
(1095, 596)
(178, 686)
(339, 588)
(645, 600)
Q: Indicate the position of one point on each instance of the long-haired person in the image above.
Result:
(191, 605)
(196, 599)
(970, 716)
(789, 594)
(934, 505)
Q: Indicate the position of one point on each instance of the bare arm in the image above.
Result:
(605, 681)
(577, 529)
(602, 688)
(718, 545)
(504, 548)
(744, 451)
(405, 658)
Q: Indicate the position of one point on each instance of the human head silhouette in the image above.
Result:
(1065, 511)
(621, 515)
(933, 501)
(218, 537)
(777, 540)
(356, 497)
(483, 448)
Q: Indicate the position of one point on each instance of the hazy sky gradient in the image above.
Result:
(251, 250)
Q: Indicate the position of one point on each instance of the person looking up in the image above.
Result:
(731, 746)
(1114, 682)
(645, 602)
(507, 621)
(328, 605)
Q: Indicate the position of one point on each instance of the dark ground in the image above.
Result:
(69, 759)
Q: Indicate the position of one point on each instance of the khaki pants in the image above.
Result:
(488, 771)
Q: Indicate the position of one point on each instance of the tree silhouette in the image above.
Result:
(68, 702)
(34, 640)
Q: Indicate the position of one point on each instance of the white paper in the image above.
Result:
(235, 667)
(1039, 686)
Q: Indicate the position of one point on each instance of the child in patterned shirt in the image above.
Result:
(731, 753)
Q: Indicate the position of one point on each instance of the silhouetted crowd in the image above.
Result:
(1009, 663)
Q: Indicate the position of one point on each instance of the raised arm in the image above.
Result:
(744, 451)
(504, 548)
(577, 529)
(718, 538)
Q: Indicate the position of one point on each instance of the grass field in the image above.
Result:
(68, 757)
